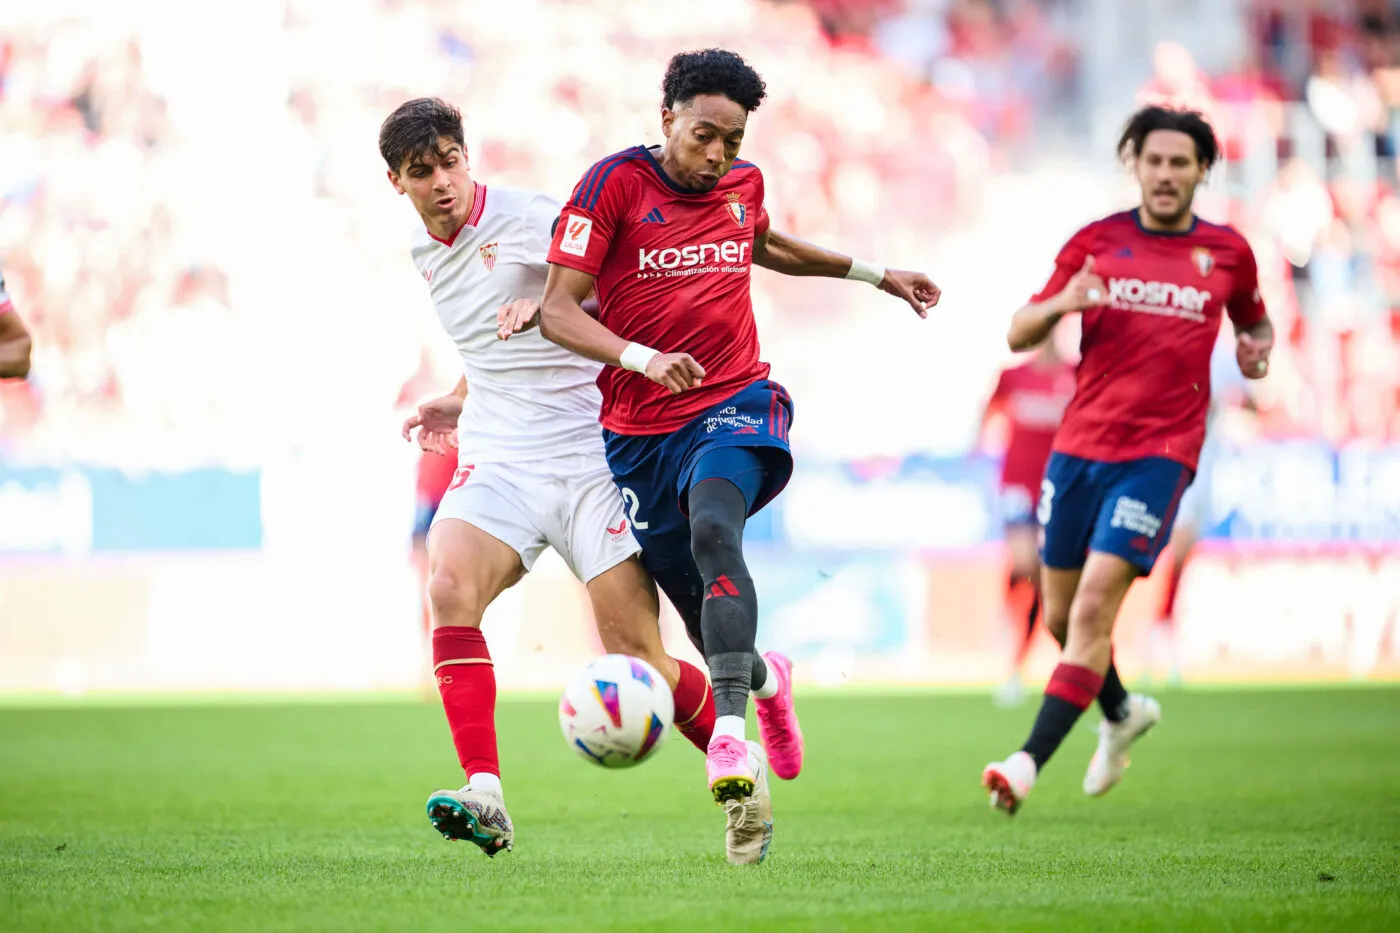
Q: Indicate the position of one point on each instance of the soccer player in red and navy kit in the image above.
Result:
(1152, 284)
(1032, 397)
(696, 432)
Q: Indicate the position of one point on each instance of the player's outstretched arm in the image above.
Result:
(791, 256)
(564, 321)
(1033, 322)
(15, 345)
(1253, 345)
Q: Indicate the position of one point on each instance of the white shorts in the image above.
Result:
(568, 503)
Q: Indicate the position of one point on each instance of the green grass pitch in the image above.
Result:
(1245, 810)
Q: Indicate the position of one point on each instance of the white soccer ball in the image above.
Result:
(616, 711)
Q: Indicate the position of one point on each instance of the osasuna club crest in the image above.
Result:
(488, 256)
(1202, 260)
(736, 208)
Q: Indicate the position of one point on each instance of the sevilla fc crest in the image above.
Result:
(488, 256)
(1202, 260)
(736, 209)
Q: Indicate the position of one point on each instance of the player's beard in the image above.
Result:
(1183, 197)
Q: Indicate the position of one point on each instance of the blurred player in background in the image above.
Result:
(1228, 390)
(437, 463)
(15, 344)
(1153, 284)
(1031, 397)
(697, 434)
(531, 471)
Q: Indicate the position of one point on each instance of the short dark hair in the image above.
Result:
(711, 71)
(1150, 119)
(414, 128)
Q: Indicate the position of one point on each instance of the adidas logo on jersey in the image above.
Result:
(1135, 294)
(686, 257)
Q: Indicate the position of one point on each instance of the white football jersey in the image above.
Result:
(527, 398)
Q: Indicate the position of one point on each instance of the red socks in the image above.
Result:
(1070, 691)
(467, 681)
(1074, 684)
(695, 706)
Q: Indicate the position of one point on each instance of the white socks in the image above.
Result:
(770, 685)
(730, 725)
(486, 783)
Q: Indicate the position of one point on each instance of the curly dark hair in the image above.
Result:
(1150, 119)
(711, 71)
(414, 128)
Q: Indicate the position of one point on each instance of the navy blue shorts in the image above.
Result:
(743, 439)
(1124, 508)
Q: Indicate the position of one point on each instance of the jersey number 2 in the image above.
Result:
(631, 502)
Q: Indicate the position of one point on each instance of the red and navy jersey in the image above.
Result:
(1033, 397)
(1143, 382)
(672, 272)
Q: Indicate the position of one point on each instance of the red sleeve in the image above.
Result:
(1067, 263)
(1246, 306)
(587, 223)
(760, 221)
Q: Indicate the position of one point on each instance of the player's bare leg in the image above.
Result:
(1098, 592)
(1023, 606)
(1008, 782)
(626, 609)
(468, 569)
(1162, 639)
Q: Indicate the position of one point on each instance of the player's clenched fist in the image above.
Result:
(1085, 290)
(1252, 353)
(676, 371)
(520, 314)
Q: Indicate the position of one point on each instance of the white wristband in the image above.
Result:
(636, 357)
(862, 271)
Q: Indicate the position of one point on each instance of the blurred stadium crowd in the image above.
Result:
(200, 236)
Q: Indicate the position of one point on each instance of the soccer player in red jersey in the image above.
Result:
(696, 433)
(15, 343)
(1152, 284)
(1032, 397)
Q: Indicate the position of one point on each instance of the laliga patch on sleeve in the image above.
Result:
(577, 230)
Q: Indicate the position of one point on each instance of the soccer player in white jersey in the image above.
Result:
(15, 344)
(531, 469)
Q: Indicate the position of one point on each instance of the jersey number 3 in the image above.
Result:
(1047, 502)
